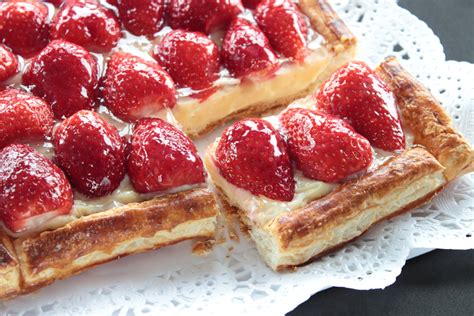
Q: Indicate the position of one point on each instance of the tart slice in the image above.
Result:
(368, 145)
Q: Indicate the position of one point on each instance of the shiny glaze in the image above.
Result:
(8, 64)
(142, 17)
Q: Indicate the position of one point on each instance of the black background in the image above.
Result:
(440, 282)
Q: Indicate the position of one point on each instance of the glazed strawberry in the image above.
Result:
(323, 147)
(65, 75)
(202, 15)
(191, 58)
(87, 24)
(24, 26)
(135, 88)
(91, 153)
(8, 63)
(252, 155)
(284, 26)
(32, 189)
(358, 95)
(246, 50)
(251, 4)
(142, 17)
(162, 157)
(23, 117)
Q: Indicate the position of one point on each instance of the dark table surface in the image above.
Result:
(440, 282)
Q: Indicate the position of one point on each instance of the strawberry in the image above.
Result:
(91, 153)
(23, 117)
(8, 63)
(358, 95)
(32, 189)
(87, 24)
(246, 50)
(285, 27)
(135, 88)
(324, 147)
(202, 15)
(142, 17)
(24, 26)
(252, 155)
(191, 58)
(162, 157)
(251, 4)
(65, 75)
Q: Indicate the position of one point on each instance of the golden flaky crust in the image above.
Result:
(430, 124)
(105, 236)
(9, 269)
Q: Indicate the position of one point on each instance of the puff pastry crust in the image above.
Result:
(406, 181)
(35, 261)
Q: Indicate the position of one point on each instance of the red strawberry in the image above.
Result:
(358, 95)
(191, 58)
(162, 157)
(87, 24)
(24, 26)
(251, 4)
(142, 17)
(325, 148)
(202, 15)
(32, 189)
(285, 27)
(135, 88)
(252, 155)
(66, 76)
(23, 117)
(91, 153)
(246, 50)
(8, 63)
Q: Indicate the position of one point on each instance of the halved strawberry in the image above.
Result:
(23, 117)
(65, 75)
(324, 148)
(8, 63)
(91, 153)
(191, 58)
(162, 157)
(32, 189)
(246, 50)
(202, 15)
(252, 155)
(142, 17)
(24, 26)
(135, 88)
(284, 26)
(87, 24)
(358, 95)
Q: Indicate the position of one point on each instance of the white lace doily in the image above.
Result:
(237, 281)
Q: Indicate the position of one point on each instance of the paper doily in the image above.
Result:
(171, 280)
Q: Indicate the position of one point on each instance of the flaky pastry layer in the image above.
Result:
(35, 261)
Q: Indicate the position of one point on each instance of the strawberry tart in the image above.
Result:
(368, 145)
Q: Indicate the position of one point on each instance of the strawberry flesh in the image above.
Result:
(142, 17)
(358, 95)
(251, 4)
(191, 58)
(324, 147)
(65, 75)
(162, 157)
(135, 88)
(24, 26)
(87, 24)
(285, 27)
(23, 117)
(30, 186)
(246, 50)
(8, 63)
(252, 155)
(91, 153)
(202, 15)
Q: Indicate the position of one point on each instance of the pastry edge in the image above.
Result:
(39, 260)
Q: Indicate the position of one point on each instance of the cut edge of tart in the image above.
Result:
(333, 216)
(290, 82)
